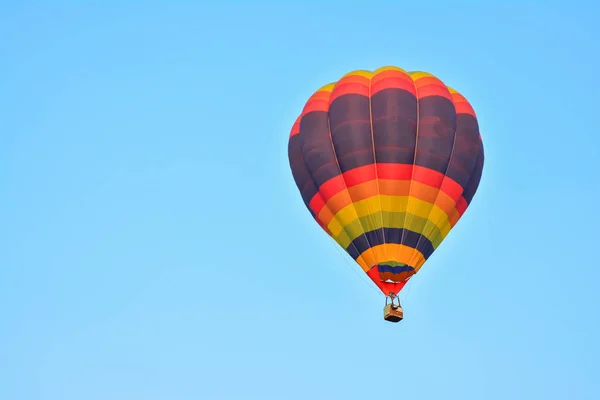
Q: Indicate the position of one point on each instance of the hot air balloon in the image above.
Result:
(387, 162)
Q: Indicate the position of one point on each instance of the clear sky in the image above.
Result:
(153, 244)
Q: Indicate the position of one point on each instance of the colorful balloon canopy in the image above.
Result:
(387, 162)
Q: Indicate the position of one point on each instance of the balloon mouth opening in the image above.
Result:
(394, 272)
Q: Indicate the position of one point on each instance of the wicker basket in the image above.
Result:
(393, 313)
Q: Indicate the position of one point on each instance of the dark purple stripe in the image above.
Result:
(394, 128)
(394, 131)
(466, 149)
(473, 183)
(383, 268)
(373, 238)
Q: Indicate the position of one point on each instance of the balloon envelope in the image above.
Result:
(387, 162)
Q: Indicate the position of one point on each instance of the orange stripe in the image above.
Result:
(351, 84)
(320, 95)
(401, 277)
(316, 105)
(399, 172)
(317, 102)
(384, 252)
(431, 86)
(392, 79)
(386, 188)
(452, 218)
(351, 78)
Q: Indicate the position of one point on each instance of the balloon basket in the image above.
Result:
(393, 312)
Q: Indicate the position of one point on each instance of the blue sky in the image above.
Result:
(153, 244)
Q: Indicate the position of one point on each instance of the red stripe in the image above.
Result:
(332, 186)
(317, 203)
(315, 105)
(461, 206)
(463, 107)
(349, 88)
(296, 127)
(319, 101)
(385, 287)
(451, 188)
(400, 172)
(360, 175)
(366, 173)
(392, 79)
(433, 90)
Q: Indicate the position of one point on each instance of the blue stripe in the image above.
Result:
(394, 270)
(392, 235)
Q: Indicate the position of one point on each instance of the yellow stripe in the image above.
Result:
(388, 68)
(391, 204)
(327, 88)
(420, 74)
(360, 72)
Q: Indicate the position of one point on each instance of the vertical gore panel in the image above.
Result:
(316, 147)
(466, 149)
(435, 140)
(437, 124)
(300, 172)
(473, 183)
(394, 132)
(394, 125)
(350, 123)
